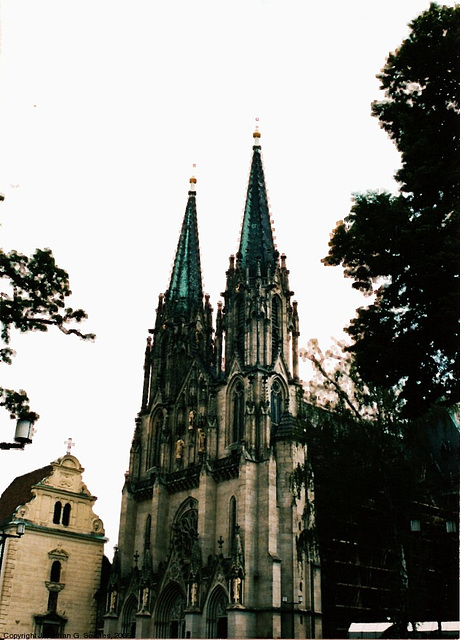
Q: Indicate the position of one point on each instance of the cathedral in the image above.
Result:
(212, 526)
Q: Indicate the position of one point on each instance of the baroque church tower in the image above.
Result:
(211, 526)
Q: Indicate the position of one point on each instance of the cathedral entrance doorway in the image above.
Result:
(217, 622)
(170, 618)
(129, 618)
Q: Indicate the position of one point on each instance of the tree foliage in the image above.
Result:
(337, 387)
(33, 298)
(403, 250)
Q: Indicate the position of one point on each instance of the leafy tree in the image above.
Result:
(403, 250)
(337, 386)
(36, 300)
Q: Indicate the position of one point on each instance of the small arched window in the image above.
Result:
(66, 515)
(57, 513)
(238, 412)
(55, 574)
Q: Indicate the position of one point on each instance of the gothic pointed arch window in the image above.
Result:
(276, 326)
(153, 442)
(238, 412)
(276, 402)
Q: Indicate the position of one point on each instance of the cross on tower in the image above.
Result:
(70, 443)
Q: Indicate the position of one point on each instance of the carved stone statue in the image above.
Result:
(113, 602)
(145, 598)
(193, 594)
(236, 584)
(201, 440)
(179, 449)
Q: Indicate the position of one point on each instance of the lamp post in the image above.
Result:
(292, 604)
(22, 435)
(20, 529)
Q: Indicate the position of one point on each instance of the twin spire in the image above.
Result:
(257, 249)
(186, 287)
(256, 254)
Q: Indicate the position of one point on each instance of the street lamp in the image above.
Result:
(292, 604)
(20, 529)
(22, 435)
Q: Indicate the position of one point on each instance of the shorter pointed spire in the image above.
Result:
(186, 289)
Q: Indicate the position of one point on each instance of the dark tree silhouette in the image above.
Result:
(403, 249)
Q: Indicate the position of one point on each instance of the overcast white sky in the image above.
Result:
(104, 107)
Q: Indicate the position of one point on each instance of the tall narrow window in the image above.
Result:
(57, 513)
(238, 412)
(231, 522)
(240, 328)
(55, 574)
(275, 402)
(148, 531)
(276, 332)
(153, 442)
(66, 515)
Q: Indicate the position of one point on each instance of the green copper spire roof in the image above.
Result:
(186, 287)
(257, 249)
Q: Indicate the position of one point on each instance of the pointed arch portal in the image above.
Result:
(170, 618)
(129, 618)
(216, 620)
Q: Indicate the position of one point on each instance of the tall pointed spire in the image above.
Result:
(186, 289)
(257, 249)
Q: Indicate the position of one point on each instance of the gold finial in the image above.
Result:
(256, 133)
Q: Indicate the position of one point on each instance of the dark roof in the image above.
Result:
(20, 491)
(186, 289)
(289, 429)
(257, 248)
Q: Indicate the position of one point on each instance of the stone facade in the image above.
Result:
(51, 575)
(210, 521)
